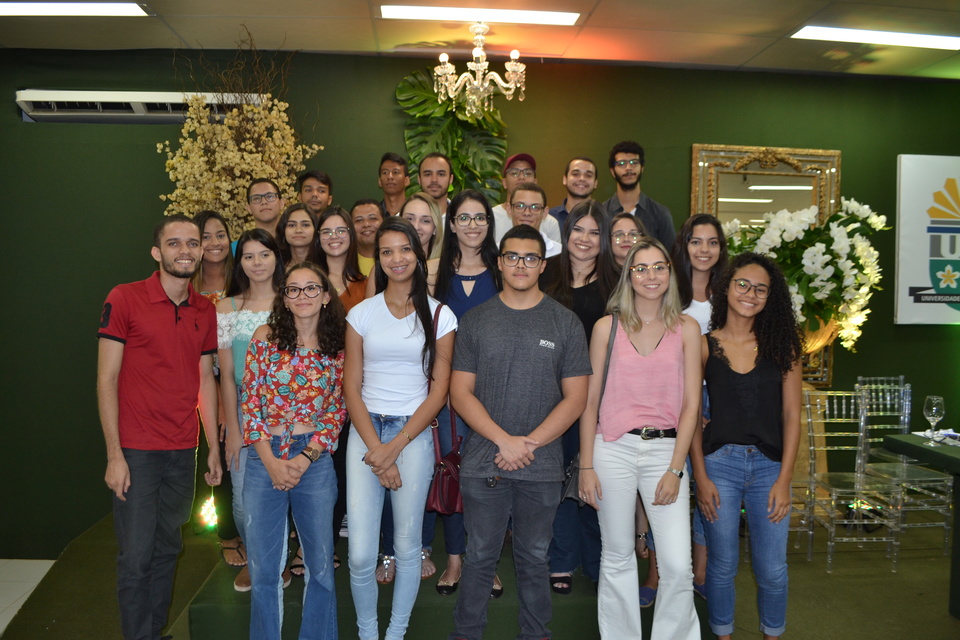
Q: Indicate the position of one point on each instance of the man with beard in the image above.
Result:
(580, 180)
(393, 181)
(435, 176)
(316, 192)
(157, 338)
(626, 167)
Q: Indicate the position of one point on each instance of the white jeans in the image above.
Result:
(624, 467)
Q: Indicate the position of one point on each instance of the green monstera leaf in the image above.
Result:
(476, 146)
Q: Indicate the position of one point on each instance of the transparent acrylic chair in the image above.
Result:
(850, 505)
(927, 494)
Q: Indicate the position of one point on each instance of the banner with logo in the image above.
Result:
(928, 240)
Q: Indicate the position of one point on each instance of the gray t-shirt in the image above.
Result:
(520, 358)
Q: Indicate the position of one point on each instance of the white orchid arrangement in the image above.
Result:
(217, 159)
(832, 269)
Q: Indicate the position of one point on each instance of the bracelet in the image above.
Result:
(404, 432)
(642, 536)
(581, 468)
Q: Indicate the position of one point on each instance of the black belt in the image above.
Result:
(649, 433)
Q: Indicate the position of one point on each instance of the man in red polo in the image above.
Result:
(157, 338)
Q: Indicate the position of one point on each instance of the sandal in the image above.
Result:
(234, 556)
(336, 562)
(497, 589)
(297, 567)
(386, 569)
(427, 568)
(562, 583)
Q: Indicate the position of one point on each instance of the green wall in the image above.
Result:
(85, 197)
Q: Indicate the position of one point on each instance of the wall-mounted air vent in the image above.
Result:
(112, 107)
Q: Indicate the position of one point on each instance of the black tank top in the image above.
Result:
(745, 408)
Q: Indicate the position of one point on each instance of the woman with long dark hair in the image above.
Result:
(397, 373)
(212, 279)
(257, 275)
(581, 278)
(293, 411)
(466, 276)
(297, 236)
(338, 256)
(635, 438)
(751, 363)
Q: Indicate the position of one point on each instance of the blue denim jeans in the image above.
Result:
(487, 510)
(267, 533)
(147, 525)
(364, 507)
(744, 475)
(454, 535)
(236, 478)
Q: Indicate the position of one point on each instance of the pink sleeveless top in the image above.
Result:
(642, 391)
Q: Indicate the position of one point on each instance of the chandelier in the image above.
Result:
(478, 85)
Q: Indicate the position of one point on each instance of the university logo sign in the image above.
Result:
(928, 240)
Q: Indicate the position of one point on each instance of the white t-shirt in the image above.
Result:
(394, 382)
(700, 311)
(550, 228)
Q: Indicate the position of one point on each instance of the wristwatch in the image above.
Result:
(312, 454)
(676, 472)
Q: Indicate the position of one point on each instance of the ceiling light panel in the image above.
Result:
(78, 9)
(464, 14)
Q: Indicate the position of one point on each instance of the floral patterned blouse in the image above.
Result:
(284, 388)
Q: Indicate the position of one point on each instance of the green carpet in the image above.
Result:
(862, 598)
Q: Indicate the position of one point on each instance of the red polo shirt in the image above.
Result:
(160, 374)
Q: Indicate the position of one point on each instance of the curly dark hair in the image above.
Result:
(331, 325)
(450, 253)
(779, 336)
(680, 257)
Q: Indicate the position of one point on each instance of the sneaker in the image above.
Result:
(242, 582)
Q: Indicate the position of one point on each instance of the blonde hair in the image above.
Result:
(436, 243)
(622, 299)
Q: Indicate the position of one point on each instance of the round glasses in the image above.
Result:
(656, 269)
(743, 287)
(626, 237)
(340, 232)
(311, 291)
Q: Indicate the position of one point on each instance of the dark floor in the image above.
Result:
(862, 598)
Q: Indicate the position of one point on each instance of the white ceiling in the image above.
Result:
(732, 34)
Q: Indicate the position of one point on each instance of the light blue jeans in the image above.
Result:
(744, 475)
(267, 533)
(364, 507)
(236, 478)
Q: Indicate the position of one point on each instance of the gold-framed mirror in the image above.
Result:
(733, 181)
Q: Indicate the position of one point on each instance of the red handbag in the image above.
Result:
(444, 496)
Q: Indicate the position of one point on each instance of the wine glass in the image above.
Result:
(933, 411)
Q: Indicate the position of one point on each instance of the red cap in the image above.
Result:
(526, 157)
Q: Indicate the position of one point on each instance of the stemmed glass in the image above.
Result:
(933, 411)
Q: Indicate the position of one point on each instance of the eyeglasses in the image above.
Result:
(518, 173)
(464, 219)
(520, 207)
(620, 237)
(311, 291)
(513, 259)
(622, 163)
(743, 286)
(340, 232)
(264, 197)
(655, 269)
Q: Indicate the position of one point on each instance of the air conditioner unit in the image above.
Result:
(115, 107)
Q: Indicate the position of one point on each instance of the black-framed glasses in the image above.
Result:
(633, 162)
(521, 173)
(340, 232)
(311, 291)
(264, 197)
(743, 286)
(621, 237)
(655, 269)
(520, 207)
(513, 259)
(464, 219)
